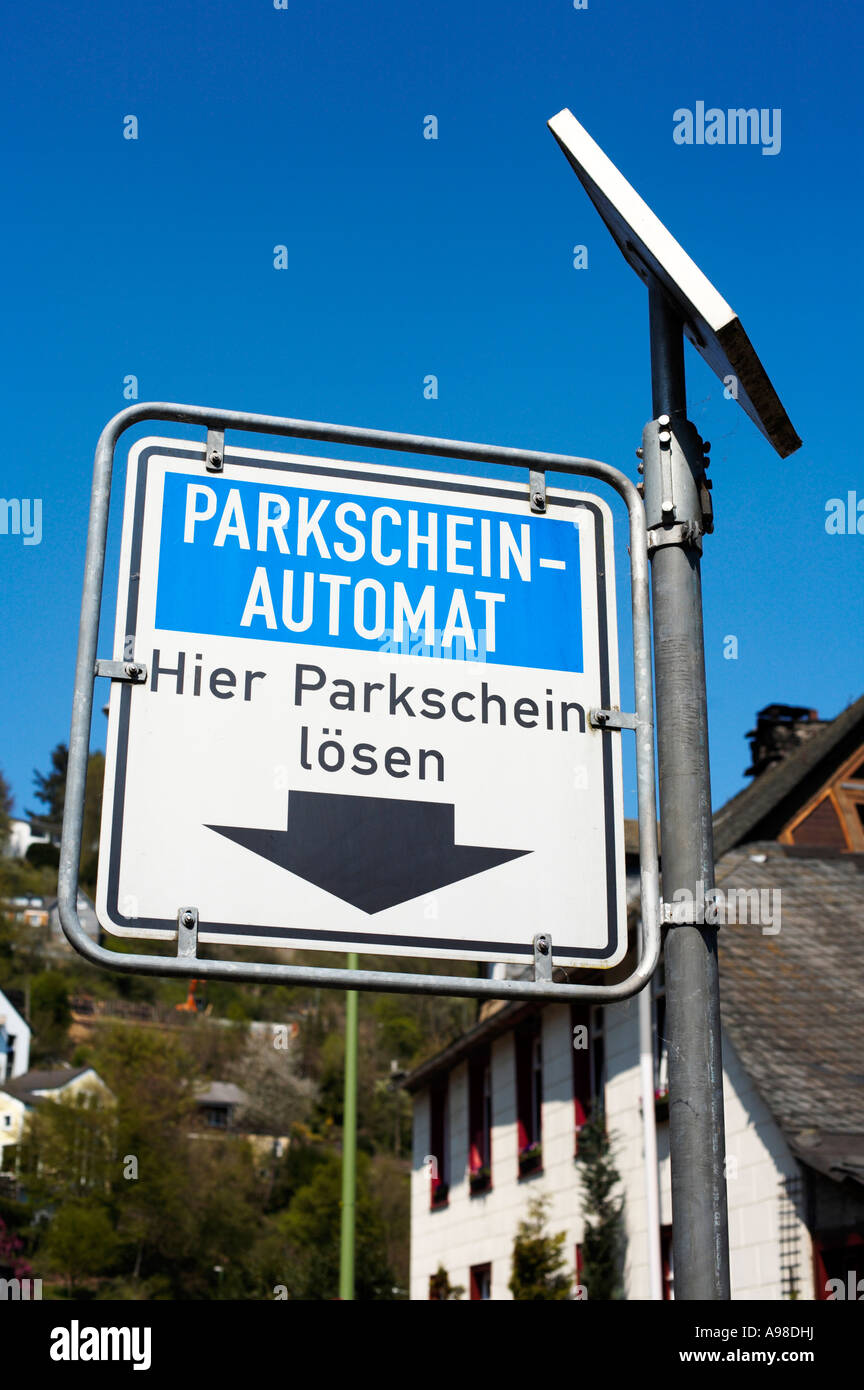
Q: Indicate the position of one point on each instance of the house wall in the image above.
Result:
(12, 1113)
(16, 1027)
(479, 1230)
(757, 1161)
(21, 837)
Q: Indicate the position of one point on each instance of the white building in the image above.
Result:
(20, 1097)
(497, 1114)
(15, 1034)
(23, 834)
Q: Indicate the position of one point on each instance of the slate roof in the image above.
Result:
(793, 1002)
(221, 1093)
(25, 1087)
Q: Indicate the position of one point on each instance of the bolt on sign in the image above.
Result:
(361, 718)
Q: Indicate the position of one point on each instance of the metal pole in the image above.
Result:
(349, 1142)
(697, 1143)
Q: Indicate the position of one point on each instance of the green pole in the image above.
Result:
(349, 1143)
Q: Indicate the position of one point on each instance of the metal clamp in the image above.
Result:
(135, 672)
(687, 533)
(537, 489)
(214, 452)
(667, 487)
(680, 915)
(612, 719)
(674, 459)
(542, 956)
(187, 933)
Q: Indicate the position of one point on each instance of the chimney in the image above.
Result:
(780, 729)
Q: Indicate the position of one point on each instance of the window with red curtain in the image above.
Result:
(529, 1097)
(439, 1186)
(589, 1064)
(661, 1051)
(480, 1122)
(666, 1262)
(580, 1037)
(838, 1255)
(598, 1057)
(481, 1282)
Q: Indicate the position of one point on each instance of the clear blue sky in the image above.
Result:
(408, 256)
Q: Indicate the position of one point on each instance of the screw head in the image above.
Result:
(639, 453)
(543, 945)
(133, 669)
(665, 439)
(188, 918)
(539, 502)
(662, 421)
(215, 458)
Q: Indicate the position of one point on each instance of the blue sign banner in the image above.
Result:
(332, 568)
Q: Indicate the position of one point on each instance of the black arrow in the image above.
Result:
(370, 851)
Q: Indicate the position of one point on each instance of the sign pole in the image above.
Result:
(674, 473)
(678, 513)
(349, 1143)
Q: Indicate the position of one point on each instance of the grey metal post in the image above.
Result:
(673, 475)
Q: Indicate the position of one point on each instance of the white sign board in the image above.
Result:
(365, 719)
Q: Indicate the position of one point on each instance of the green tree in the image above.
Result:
(310, 1230)
(331, 1081)
(539, 1266)
(224, 1205)
(50, 1015)
(441, 1290)
(5, 811)
(92, 821)
(150, 1076)
(69, 1146)
(295, 1171)
(399, 1034)
(603, 1238)
(50, 788)
(189, 1206)
(80, 1242)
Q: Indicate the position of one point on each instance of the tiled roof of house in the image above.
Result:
(26, 1087)
(792, 1000)
(221, 1093)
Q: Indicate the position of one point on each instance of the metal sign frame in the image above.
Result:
(186, 963)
